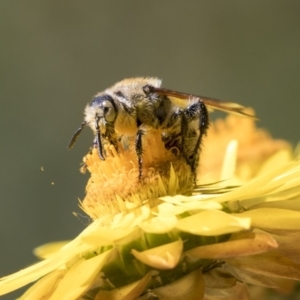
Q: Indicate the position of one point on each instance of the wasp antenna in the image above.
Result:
(76, 134)
(98, 139)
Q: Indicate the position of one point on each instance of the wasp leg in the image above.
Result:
(98, 139)
(184, 128)
(197, 111)
(110, 134)
(177, 134)
(139, 150)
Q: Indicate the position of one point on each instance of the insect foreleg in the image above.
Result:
(98, 138)
(139, 150)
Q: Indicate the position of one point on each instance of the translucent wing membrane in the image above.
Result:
(180, 99)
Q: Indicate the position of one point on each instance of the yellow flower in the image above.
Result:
(164, 238)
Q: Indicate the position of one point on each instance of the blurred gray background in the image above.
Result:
(55, 55)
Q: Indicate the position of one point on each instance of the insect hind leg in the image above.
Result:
(198, 113)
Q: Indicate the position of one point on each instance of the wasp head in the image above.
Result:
(100, 115)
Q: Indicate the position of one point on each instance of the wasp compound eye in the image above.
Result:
(109, 111)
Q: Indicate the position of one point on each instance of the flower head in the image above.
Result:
(166, 238)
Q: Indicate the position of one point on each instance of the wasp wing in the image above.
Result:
(182, 100)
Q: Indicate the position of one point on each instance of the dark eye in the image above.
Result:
(109, 111)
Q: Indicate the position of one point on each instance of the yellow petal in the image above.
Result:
(198, 205)
(159, 224)
(293, 204)
(182, 203)
(278, 159)
(32, 273)
(218, 278)
(272, 263)
(45, 286)
(237, 292)
(273, 219)
(213, 222)
(267, 183)
(46, 250)
(132, 219)
(257, 279)
(162, 257)
(289, 246)
(57, 260)
(251, 244)
(107, 236)
(166, 210)
(164, 222)
(190, 287)
(97, 235)
(79, 277)
(229, 162)
(129, 292)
